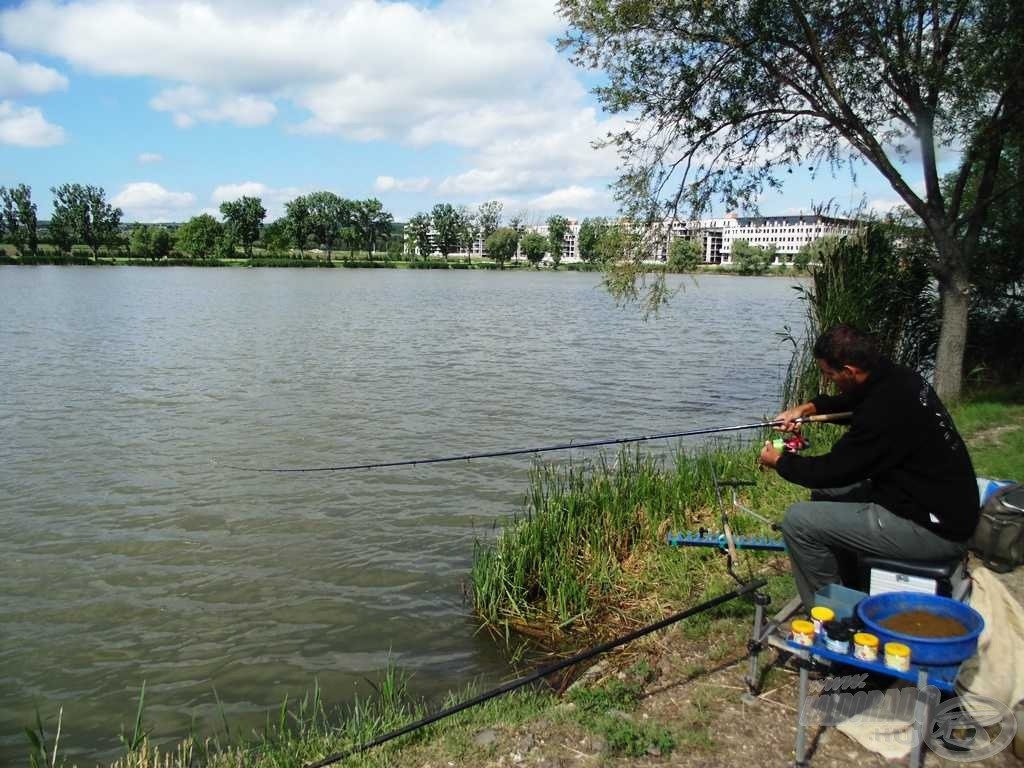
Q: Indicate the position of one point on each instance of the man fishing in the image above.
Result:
(898, 483)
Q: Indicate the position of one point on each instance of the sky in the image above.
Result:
(175, 106)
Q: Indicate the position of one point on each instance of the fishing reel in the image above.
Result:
(792, 444)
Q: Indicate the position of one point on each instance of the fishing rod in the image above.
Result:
(545, 449)
(741, 590)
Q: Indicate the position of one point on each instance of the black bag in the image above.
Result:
(999, 538)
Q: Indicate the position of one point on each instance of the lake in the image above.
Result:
(132, 554)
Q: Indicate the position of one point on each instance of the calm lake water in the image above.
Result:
(130, 555)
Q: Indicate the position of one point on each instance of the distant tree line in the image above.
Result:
(82, 216)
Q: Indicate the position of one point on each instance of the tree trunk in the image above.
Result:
(949, 357)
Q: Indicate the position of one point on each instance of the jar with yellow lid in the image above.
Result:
(803, 632)
(819, 615)
(865, 646)
(897, 656)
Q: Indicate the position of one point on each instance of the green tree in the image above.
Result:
(534, 247)
(83, 211)
(226, 246)
(750, 259)
(199, 236)
(18, 220)
(328, 214)
(298, 222)
(371, 222)
(447, 228)
(502, 245)
(277, 237)
(418, 231)
(244, 217)
(140, 242)
(685, 255)
(61, 231)
(468, 228)
(558, 228)
(488, 218)
(742, 94)
(591, 231)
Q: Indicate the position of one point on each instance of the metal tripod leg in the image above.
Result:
(754, 646)
(800, 760)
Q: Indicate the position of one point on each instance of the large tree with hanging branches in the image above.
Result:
(727, 96)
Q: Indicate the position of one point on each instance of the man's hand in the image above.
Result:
(789, 416)
(769, 456)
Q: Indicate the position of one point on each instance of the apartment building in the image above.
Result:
(785, 235)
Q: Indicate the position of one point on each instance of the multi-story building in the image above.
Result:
(784, 235)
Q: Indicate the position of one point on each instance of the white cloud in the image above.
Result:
(147, 201)
(483, 76)
(189, 105)
(26, 127)
(148, 158)
(273, 199)
(573, 198)
(391, 184)
(20, 79)
(540, 161)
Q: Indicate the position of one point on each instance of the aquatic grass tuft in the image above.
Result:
(590, 530)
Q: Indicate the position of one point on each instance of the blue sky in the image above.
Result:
(173, 107)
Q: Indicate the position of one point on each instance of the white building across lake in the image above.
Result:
(784, 235)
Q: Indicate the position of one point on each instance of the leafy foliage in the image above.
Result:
(874, 281)
(447, 228)
(244, 217)
(199, 235)
(502, 245)
(725, 99)
(751, 259)
(534, 247)
(18, 222)
(418, 229)
(685, 255)
(81, 214)
(558, 228)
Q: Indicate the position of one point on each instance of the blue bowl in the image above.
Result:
(936, 651)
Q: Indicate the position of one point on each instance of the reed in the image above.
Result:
(592, 535)
(876, 282)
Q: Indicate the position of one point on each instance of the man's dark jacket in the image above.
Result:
(902, 439)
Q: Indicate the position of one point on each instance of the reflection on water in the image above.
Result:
(129, 555)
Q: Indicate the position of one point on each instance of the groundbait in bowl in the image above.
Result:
(927, 651)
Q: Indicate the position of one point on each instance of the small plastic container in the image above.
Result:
(897, 656)
(865, 646)
(836, 635)
(819, 615)
(803, 632)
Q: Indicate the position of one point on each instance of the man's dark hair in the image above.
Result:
(845, 345)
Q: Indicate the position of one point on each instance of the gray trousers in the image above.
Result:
(839, 523)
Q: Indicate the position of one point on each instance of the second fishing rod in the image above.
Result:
(825, 417)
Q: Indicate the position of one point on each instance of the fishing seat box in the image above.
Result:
(878, 575)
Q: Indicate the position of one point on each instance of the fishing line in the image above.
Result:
(743, 589)
(542, 449)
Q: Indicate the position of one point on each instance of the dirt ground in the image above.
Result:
(695, 688)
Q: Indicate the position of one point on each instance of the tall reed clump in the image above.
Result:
(876, 281)
(559, 562)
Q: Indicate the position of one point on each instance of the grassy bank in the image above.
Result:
(584, 561)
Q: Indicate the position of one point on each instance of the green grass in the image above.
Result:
(992, 423)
